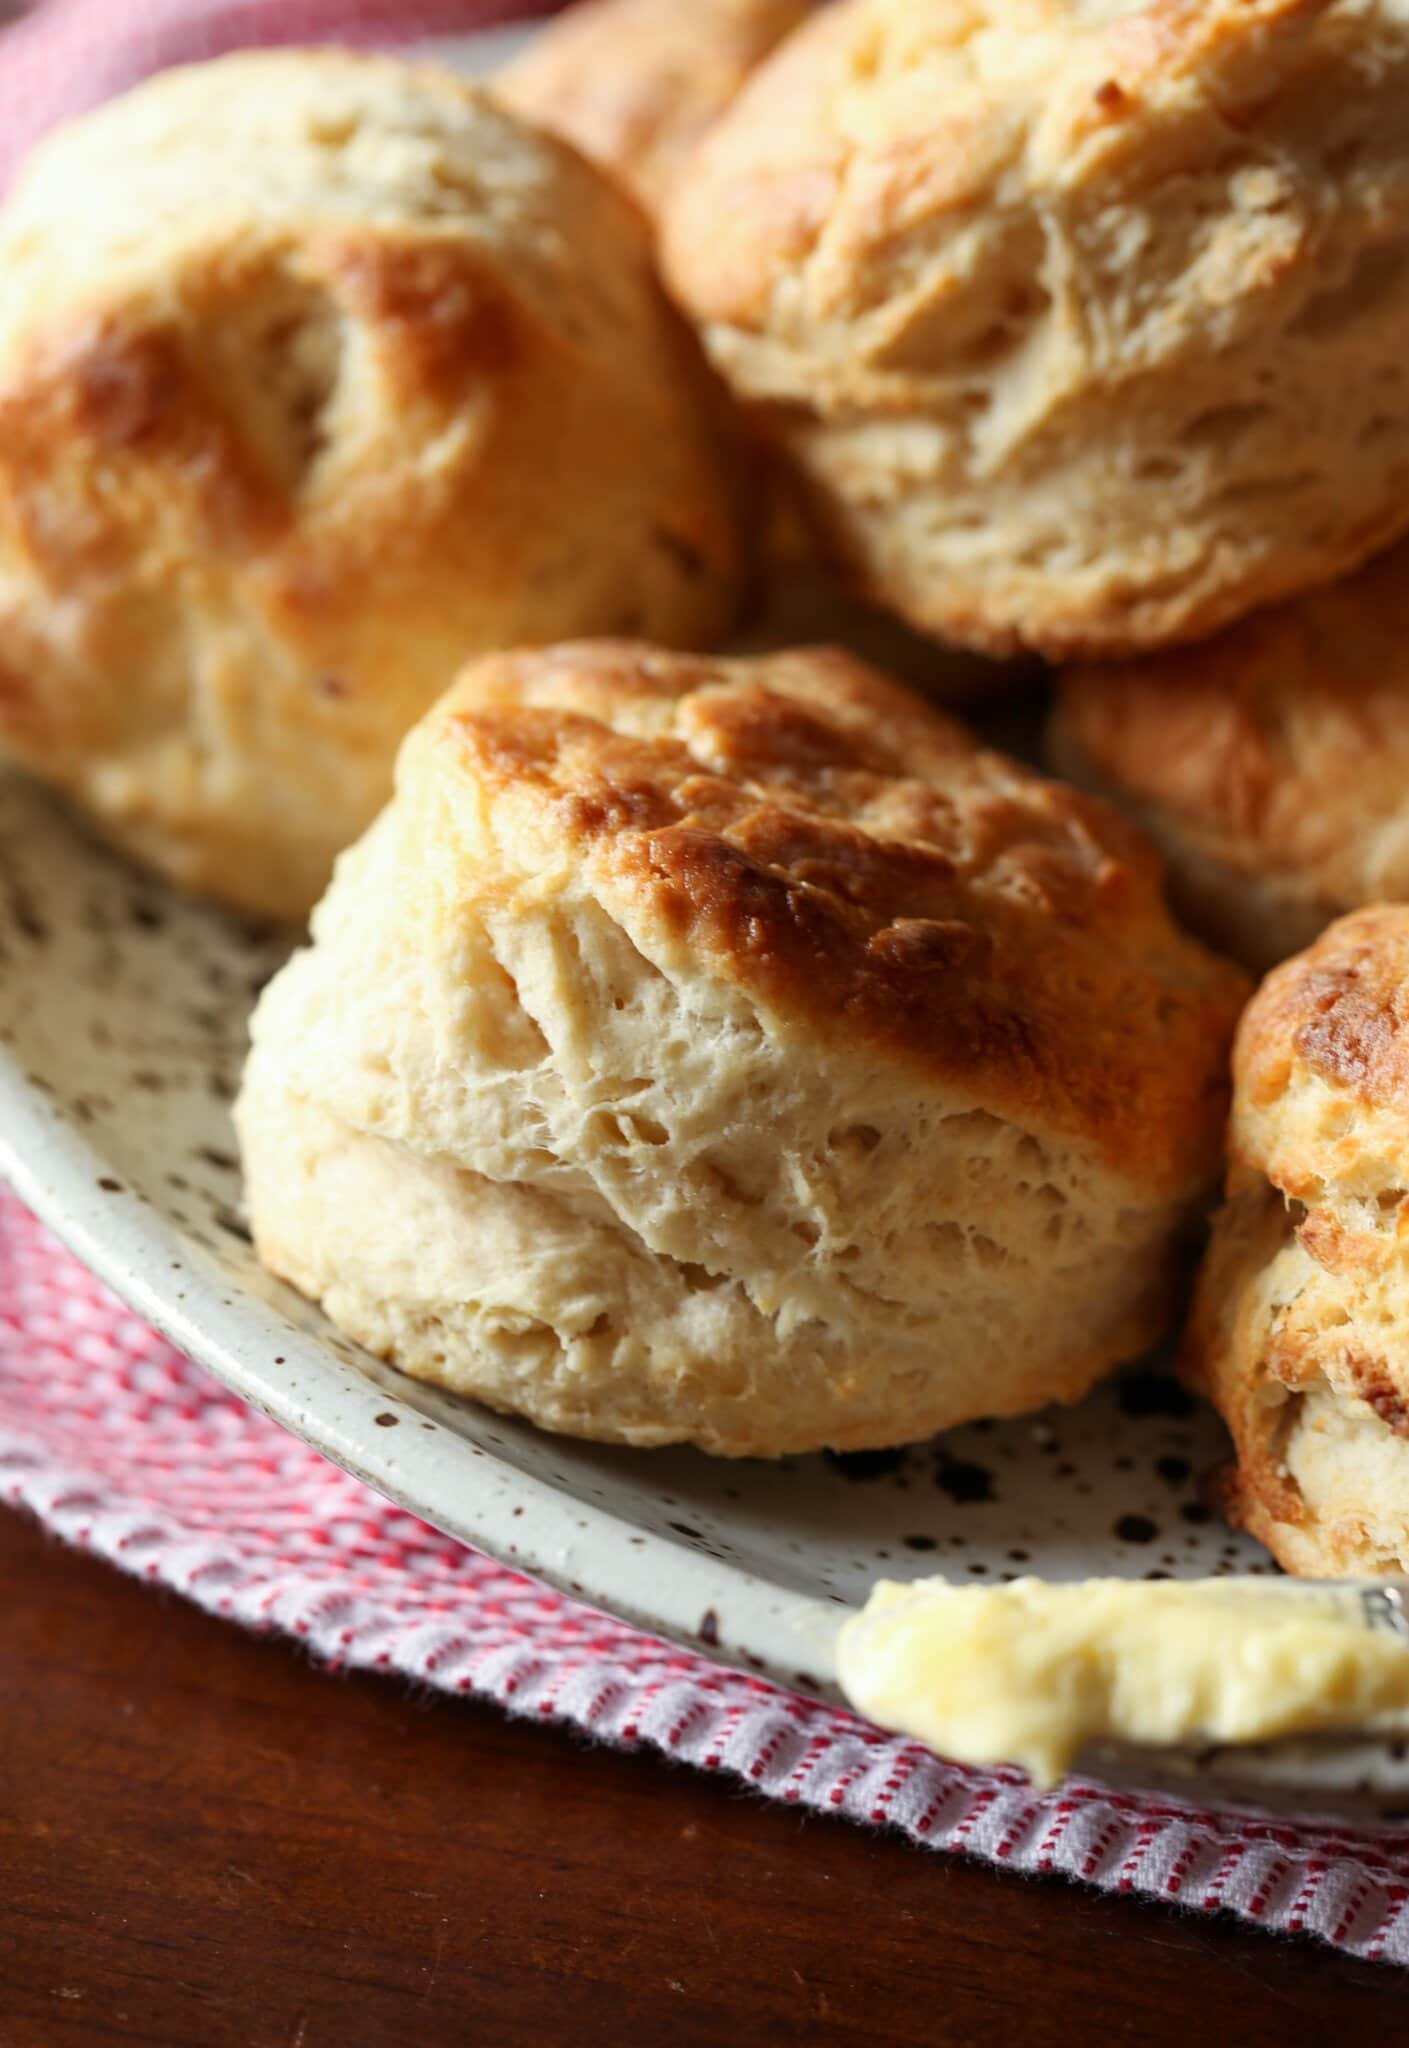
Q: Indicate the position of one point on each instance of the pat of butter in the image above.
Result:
(1031, 1672)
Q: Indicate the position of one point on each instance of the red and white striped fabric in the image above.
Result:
(121, 1446)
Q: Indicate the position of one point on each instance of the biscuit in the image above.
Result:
(1270, 765)
(319, 374)
(636, 84)
(1300, 1334)
(735, 1052)
(1082, 320)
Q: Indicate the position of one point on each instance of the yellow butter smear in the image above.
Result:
(1030, 1673)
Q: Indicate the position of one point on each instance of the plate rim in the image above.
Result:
(64, 1180)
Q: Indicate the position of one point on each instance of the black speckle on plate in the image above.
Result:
(919, 1542)
(1143, 1394)
(864, 1464)
(709, 1628)
(1136, 1529)
(962, 1481)
(386, 1421)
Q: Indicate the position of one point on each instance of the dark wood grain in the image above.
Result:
(205, 1842)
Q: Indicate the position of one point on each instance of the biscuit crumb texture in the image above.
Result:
(1082, 319)
(1300, 1334)
(734, 1052)
(637, 84)
(319, 374)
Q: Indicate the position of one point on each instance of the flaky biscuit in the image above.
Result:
(319, 373)
(1300, 1334)
(734, 1051)
(1270, 764)
(1083, 320)
(636, 84)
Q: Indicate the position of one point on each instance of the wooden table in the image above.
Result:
(203, 1841)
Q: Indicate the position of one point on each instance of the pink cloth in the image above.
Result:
(122, 1447)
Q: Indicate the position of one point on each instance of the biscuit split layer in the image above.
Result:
(735, 1052)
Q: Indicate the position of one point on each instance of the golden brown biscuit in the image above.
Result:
(1084, 320)
(734, 1051)
(318, 373)
(1270, 765)
(1300, 1334)
(636, 84)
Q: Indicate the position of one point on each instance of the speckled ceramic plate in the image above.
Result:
(122, 1029)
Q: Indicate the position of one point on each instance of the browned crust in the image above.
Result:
(1374, 1383)
(636, 84)
(873, 876)
(1340, 1010)
(132, 396)
(1277, 748)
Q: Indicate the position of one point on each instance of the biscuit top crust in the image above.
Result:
(852, 859)
(890, 141)
(259, 277)
(1321, 1067)
(1338, 1013)
(1281, 745)
(267, 150)
(318, 374)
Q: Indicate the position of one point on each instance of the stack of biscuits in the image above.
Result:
(733, 1048)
